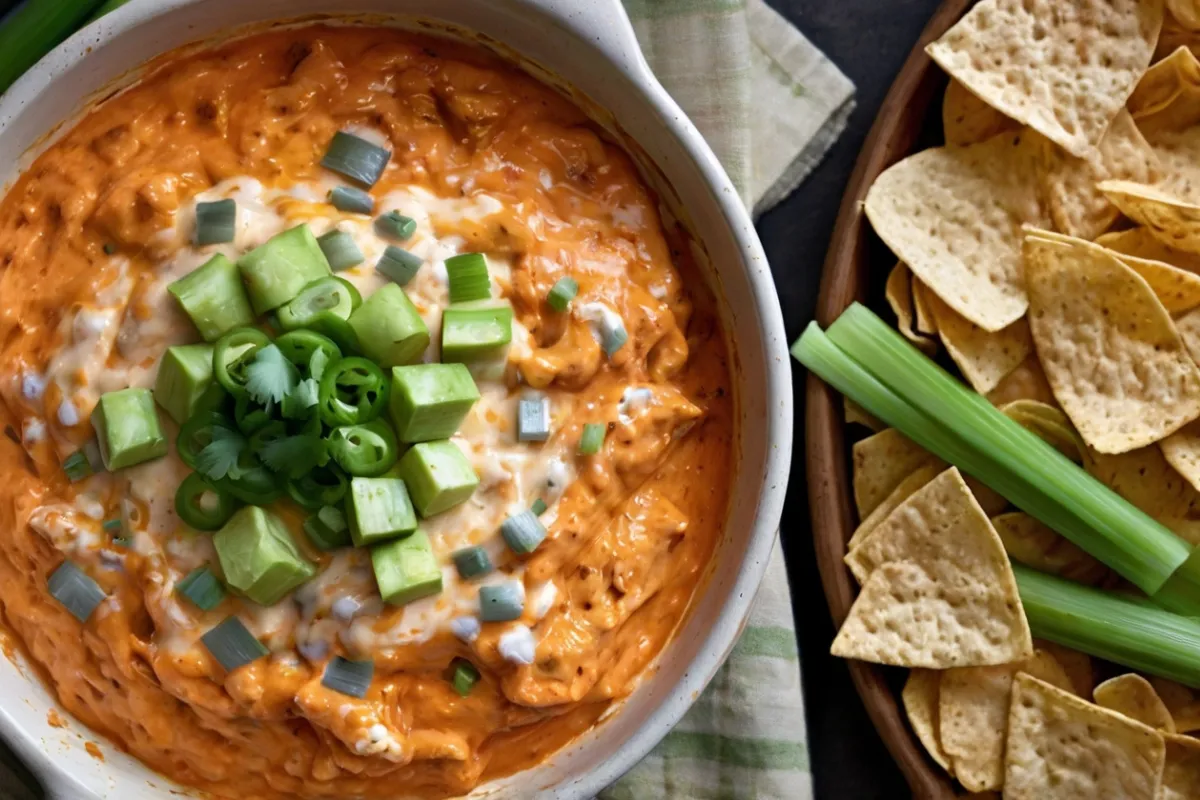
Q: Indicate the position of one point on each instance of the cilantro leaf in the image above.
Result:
(220, 456)
(294, 456)
(317, 364)
(300, 399)
(270, 376)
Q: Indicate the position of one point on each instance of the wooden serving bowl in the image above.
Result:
(856, 267)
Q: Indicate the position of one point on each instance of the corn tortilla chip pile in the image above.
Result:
(1049, 254)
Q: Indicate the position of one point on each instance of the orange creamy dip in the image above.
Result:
(487, 160)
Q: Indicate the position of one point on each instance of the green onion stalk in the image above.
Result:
(874, 366)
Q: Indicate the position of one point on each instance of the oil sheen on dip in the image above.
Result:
(485, 159)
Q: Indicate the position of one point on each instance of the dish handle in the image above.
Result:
(605, 24)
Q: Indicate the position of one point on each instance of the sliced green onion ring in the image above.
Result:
(351, 200)
(232, 645)
(75, 589)
(592, 439)
(538, 507)
(471, 562)
(533, 419)
(563, 293)
(77, 467)
(113, 527)
(353, 391)
(202, 588)
(523, 532)
(468, 277)
(502, 602)
(201, 505)
(351, 678)
(340, 249)
(232, 356)
(216, 222)
(464, 677)
(356, 158)
(364, 451)
(394, 225)
(398, 265)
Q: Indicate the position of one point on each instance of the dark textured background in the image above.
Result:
(869, 40)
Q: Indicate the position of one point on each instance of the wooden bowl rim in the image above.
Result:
(843, 280)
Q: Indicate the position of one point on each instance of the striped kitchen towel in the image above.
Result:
(770, 105)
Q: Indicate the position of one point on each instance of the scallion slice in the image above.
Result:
(398, 265)
(928, 406)
(72, 587)
(592, 439)
(501, 602)
(465, 677)
(468, 276)
(202, 588)
(77, 467)
(351, 200)
(471, 562)
(533, 419)
(1106, 624)
(523, 532)
(340, 250)
(562, 294)
(356, 158)
(113, 527)
(538, 507)
(394, 225)
(232, 645)
(216, 222)
(614, 339)
(109, 248)
(351, 678)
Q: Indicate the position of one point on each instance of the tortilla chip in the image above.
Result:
(1132, 695)
(1145, 478)
(1167, 97)
(968, 120)
(900, 297)
(920, 698)
(1188, 326)
(1170, 218)
(1063, 69)
(881, 462)
(1183, 702)
(1109, 349)
(984, 357)
(973, 716)
(1177, 289)
(907, 615)
(1182, 451)
(1186, 13)
(1065, 748)
(1026, 382)
(857, 415)
(953, 214)
(926, 322)
(1028, 541)
(991, 501)
(905, 489)
(1141, 243)
(1173, 36)
(1181, 773)
(1077, 665)
(1047, 423)
(1068, 183)
(938, 590)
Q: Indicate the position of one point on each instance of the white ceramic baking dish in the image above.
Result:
(586, 47)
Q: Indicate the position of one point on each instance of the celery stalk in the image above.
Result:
(34, 29)
(873, 366)
(1126, 630)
